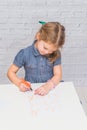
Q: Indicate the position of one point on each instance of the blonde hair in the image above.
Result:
(54, 33)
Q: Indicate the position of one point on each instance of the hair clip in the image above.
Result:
(42, 22)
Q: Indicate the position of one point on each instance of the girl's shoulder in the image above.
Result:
(27, 49)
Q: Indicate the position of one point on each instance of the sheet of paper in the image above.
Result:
(42, 104)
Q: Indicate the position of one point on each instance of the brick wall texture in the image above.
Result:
(19, 24)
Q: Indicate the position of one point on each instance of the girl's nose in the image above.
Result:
(46, 52)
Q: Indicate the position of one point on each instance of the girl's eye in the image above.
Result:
(45, 48)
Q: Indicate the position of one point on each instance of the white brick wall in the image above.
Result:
(19, 23)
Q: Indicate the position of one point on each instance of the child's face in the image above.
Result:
(45, 48)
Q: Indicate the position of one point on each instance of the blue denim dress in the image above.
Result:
(38, 69)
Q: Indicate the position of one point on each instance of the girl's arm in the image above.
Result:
(57, 71)
(12, 74)
(22, 84)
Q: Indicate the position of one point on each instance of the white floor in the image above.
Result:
(82, 93)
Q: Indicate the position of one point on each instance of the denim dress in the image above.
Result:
(37, 67)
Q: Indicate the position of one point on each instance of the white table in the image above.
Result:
(59, 110)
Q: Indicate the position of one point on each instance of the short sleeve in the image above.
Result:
(58, 60)
(19, 59)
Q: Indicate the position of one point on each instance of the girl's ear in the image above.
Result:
(37, 36)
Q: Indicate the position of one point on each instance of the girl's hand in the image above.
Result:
(24, 85)
(44, 89)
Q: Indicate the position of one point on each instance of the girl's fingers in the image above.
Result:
(40, 91)
(23, 88)
(36, 91)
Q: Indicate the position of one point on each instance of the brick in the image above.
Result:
(19, 24)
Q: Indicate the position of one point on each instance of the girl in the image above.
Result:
(41, 60)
